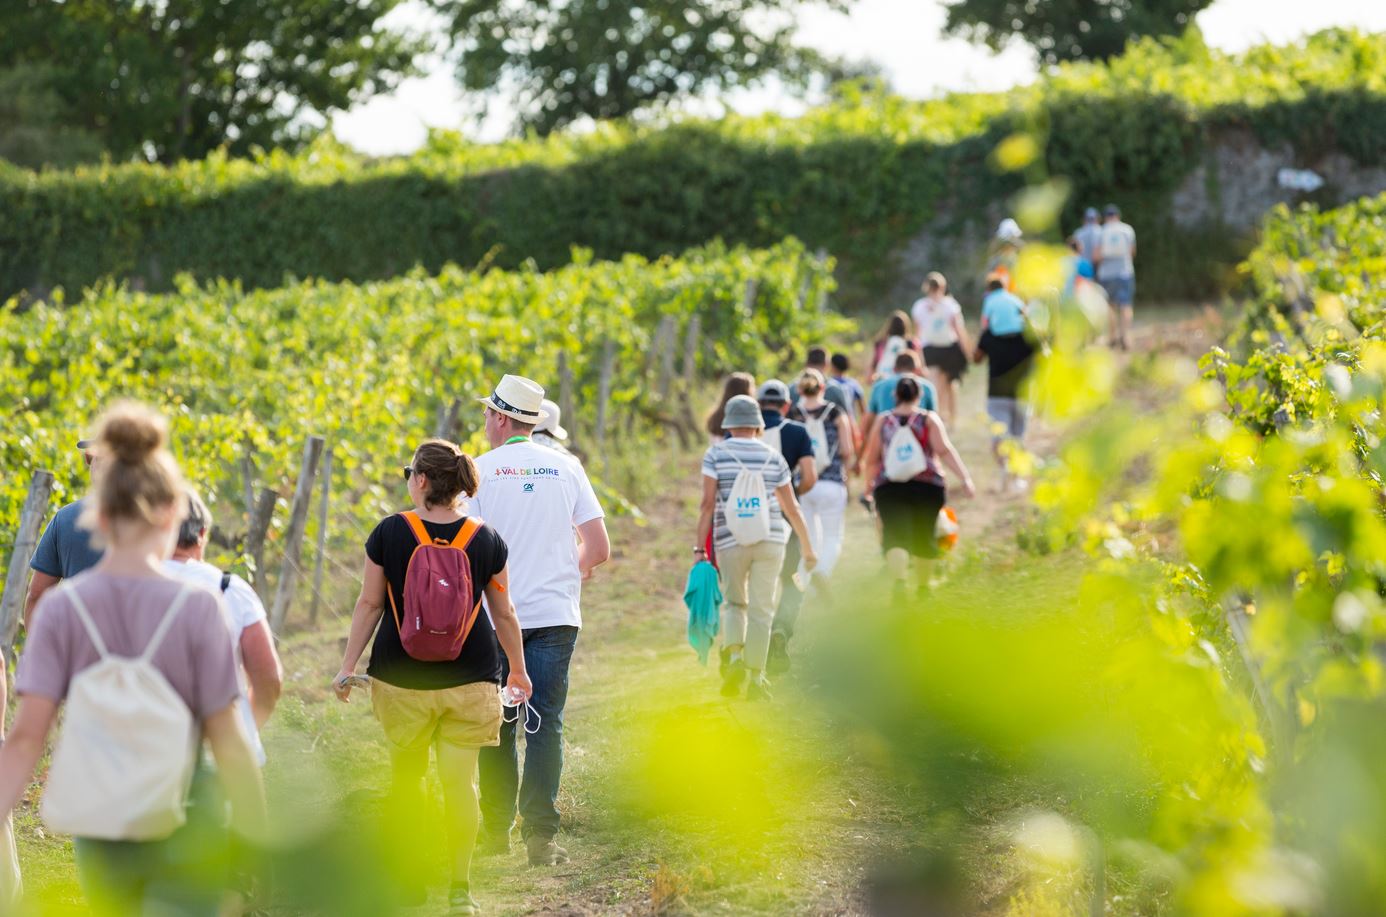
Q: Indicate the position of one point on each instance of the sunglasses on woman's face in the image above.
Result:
(408, 470)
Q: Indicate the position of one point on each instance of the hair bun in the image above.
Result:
(131, 433)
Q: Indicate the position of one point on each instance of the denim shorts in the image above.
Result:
(1009, 414)
(1121, 291)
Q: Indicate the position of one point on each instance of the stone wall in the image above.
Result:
(1227, 194)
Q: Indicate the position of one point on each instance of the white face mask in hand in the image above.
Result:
(513, 700)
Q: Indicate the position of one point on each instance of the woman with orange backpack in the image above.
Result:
(435, 664)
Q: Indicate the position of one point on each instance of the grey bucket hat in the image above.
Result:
(742, 411)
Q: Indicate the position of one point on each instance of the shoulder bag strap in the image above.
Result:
(470, 527)
(416, 524)
(88, 624)
(161, 631)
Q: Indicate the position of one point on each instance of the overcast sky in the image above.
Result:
(903, 36)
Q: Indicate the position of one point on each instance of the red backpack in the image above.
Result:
(438, 609)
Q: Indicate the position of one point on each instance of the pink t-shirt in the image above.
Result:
(196, 655)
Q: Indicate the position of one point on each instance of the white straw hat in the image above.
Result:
(552, 422)
(518, 397)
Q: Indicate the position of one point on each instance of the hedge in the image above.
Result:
(857, 177)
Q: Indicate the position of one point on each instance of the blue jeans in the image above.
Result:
(187, 873)
(548, 650)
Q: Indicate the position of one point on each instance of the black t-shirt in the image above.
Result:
(390, 545)
(795, 443)
(1008, 358)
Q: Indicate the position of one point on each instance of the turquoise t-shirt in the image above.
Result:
(883, 395)
(1003, 312)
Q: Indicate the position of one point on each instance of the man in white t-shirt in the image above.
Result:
(262, 675)
(1116, 271)
(542, 504)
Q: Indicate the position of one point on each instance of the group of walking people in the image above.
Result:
(470, 601)
(776, 474)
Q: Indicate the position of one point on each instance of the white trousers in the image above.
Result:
(825, 513)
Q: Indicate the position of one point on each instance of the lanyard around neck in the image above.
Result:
(516, 439)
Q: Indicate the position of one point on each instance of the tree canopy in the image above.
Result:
(178, 78)
(564, 61)
(1068, 30)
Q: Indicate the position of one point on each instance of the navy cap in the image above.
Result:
(773, 392)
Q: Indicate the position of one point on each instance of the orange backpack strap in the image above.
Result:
(417, 525)
(468, 532)
(464, 538)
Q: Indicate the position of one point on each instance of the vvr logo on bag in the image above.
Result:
(748, 504)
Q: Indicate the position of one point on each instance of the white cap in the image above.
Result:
(551, 422)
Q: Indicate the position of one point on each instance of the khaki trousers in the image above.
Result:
(750, 587)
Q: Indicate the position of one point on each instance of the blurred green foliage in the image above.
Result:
(857, 177)
(1238, 531)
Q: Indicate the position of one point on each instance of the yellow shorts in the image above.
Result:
(468, 716)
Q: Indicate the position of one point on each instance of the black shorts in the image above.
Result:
(950, 360)
(909, 516)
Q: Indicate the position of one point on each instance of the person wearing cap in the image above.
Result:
(1006, 347)
(1005, 251)
(549, 431)
(544, 507)
(65, 549)
(1116, 271)
(1088, 234)
(750, 572)
(262, 674)
(796, 446)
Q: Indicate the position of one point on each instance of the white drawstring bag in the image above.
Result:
(124, 761)
(818, 437)
(904, 459)
(748, 505)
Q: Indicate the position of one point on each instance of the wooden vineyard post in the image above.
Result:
(604, 395)
(692, 342)
(293, 541)
(248, 483)
(821, 302)
(665, 345)
(748, 300)
(260, 519)
(565, 396)
(326, 478)
(446, 427)
(25, 541)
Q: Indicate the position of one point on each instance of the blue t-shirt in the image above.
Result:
(883, 395)
(853, 387)
(1003, 312)
(65, 550)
